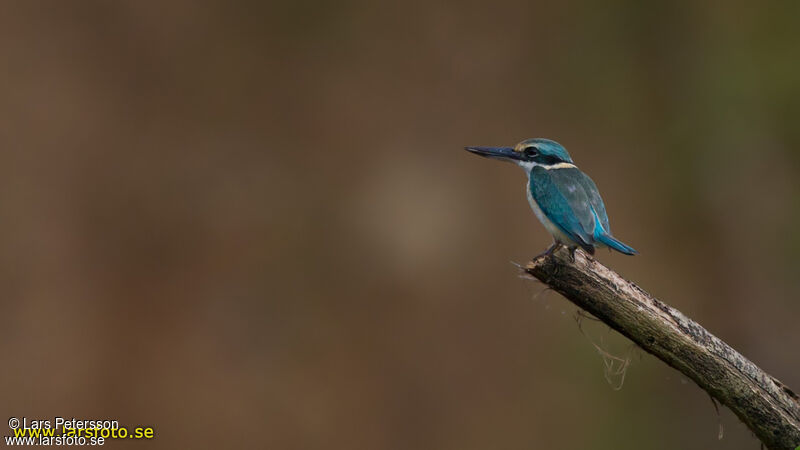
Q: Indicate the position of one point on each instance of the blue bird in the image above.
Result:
(564, 199)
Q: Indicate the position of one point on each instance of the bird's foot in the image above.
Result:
(572, 254)
(549, 251)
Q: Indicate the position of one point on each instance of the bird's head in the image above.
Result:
(528, 153)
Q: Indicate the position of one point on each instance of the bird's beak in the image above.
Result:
(504, 153)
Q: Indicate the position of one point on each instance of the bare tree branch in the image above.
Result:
(767, 406)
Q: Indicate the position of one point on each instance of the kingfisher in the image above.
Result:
(563, 198)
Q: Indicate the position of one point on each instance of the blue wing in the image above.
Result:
(570, 200)
(594, 200)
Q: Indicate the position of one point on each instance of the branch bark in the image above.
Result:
(767, 406)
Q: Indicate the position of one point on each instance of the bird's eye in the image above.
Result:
(531, 152)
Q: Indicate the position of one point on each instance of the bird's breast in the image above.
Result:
(548, 224)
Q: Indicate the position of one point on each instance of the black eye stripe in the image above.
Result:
(547, 159)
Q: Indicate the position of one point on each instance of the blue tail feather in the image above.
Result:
(611, 242)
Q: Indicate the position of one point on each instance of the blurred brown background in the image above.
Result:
(252, 224)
